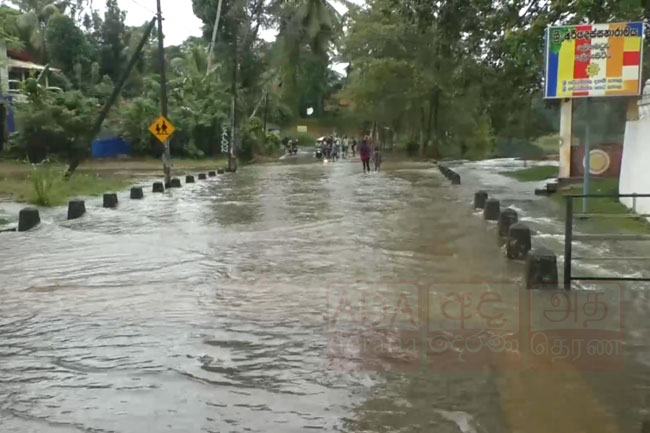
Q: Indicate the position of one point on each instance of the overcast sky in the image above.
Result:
(180, 21)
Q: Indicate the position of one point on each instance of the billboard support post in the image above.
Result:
(566, 132)
(587, 160)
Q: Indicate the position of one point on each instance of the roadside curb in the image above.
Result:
(29, 217)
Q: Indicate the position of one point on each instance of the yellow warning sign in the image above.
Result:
(162, 129)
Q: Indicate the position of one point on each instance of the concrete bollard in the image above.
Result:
(137, 193)
(479, 199)
(110, 200)
(189, 179)
(202, 176)
(221, 171)
(455, 178)
(519, 241)
(541, 269)
(492, 210)
(28, 218)
(507, 217)
(76, 209)
(158, 187)
(175, 183)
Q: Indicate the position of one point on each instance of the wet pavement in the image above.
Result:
(213, 308)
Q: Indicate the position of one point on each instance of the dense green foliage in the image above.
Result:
(55, 123)
(458, 77)
(440, 78)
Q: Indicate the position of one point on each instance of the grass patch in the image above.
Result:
(532, 174)
(549, 143)
(45, 186)
(605, 206)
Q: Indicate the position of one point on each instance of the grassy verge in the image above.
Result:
(22, 189)
(550, 144)
(605, 206)
(532, 174)
(46, 186)
(151, 165)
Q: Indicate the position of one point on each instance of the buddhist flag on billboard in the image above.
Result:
(594, 60)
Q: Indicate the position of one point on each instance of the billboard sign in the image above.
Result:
(594, 60)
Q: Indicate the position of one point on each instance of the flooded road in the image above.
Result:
(209, 309)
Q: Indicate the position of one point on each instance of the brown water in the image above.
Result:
(207, 309)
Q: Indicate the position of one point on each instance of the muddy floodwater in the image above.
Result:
(297, 297)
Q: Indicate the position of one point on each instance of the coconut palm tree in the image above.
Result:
(311, 22)
(302, 24)
(32, 23)
(9, 27)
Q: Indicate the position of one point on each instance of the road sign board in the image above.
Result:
(162, 128)
(225, 138)
(594, 60)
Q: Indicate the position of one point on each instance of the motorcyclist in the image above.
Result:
(336, 152)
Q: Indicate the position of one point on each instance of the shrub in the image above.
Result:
(133, 120)
(58, 124)
(43, 180)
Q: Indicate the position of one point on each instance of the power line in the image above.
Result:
(137, 3)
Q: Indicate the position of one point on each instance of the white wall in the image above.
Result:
(4, 68)
(635, 167)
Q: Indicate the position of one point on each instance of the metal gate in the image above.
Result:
(569, 238)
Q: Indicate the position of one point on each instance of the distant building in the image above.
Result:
(272, 127)
(15, 68)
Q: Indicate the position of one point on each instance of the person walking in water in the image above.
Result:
(376, 157)
(365, 150)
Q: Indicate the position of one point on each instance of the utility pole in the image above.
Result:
(116, 92)
(266, 110)
(167, 169)
(213, 41)
(233, 109)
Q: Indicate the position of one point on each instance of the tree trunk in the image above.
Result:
(423, 144)
(232, 163)
(436, 124)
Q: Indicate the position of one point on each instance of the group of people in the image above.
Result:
(336, 147)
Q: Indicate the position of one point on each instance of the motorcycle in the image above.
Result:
(291, 148)
(319, 153)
